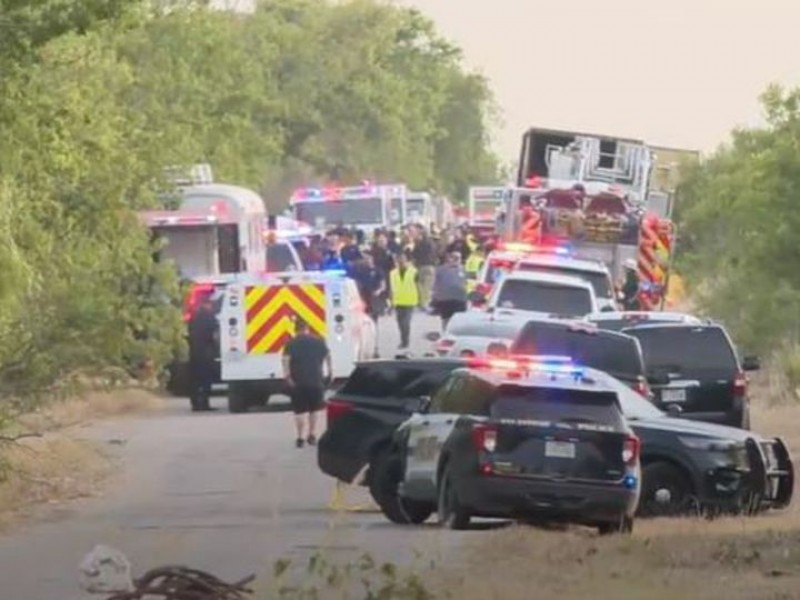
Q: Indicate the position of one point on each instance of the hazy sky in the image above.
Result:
(672, 72)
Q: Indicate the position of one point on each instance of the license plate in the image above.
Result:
(559, 449)
(673, 395)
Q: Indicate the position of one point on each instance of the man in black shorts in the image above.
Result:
(303, 359)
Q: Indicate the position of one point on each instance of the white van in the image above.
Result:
(530, 294)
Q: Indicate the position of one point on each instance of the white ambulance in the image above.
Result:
(257, 320)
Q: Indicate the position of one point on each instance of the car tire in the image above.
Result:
(451, 514)
(666, 491)
(624, 526)
(238, 400)
(386, 473)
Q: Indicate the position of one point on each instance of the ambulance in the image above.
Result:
(257, 319)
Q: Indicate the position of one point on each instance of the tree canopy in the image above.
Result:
(99, 96)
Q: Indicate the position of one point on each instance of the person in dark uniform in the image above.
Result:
(630, 286)
(303, 360)
(371, 283)
(202, 352)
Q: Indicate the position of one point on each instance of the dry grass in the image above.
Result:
(56, 467)
(726, 559)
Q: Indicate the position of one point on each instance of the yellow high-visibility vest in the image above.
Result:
(404, 289)
(474, 263)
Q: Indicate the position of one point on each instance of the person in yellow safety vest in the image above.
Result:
(472, 243)
(403, 281)
(473, 266)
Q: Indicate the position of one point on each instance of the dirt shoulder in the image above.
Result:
(730, 559)
(55, 465)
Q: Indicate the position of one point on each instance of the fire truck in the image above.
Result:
(366, 207)
(592, 192)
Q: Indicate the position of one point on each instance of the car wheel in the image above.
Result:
(624, 525)
(386, 473)
(666, 491)
(451, 514)
(237, 400)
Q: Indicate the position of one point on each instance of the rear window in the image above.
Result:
(556, 405)
(487, 329)
(615, 354)
(280, 258)
(394, 380)
(686, 350)
(600, 281)
(550, 298)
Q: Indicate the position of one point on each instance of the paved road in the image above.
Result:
(226, 493)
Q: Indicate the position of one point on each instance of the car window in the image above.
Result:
(380, 380)
(599, 280)
(686, 350)
(556, 405)
(426, 383)
(616, 354)
(441, 400)
(465, 395)
(280, 258)
(538, 296)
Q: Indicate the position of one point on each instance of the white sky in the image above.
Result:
(678, 73)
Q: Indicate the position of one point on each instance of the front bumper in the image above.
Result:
(511, 497)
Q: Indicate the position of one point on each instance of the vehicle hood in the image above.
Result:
(683, 426)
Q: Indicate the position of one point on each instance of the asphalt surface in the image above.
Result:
(229, 494)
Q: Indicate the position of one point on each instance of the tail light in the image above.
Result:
(484, 437)
(444, 346)
(641, 388)
(336, 408)
(630, 450)
(740, 384)
(194, 297)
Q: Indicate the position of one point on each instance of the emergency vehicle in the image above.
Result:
(593, 191)
(366, 207)
(484, 205)
(398, 205)
(420, 209)
(257, 319)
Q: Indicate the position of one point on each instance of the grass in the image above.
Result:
(54, 466)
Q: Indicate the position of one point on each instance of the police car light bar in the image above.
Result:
(539, 364)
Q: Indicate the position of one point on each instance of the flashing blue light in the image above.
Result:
(558, 367)
(630, 482)
(562, 251)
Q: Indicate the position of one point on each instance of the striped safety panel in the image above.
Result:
(655, 247)
(272, 310)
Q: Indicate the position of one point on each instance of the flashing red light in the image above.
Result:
(194, 297)
(740, 384)
(630, 450)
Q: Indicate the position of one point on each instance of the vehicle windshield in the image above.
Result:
(544, 297)
(556, 405)
(485, 329)
(415, 208)
(686, 350)
(280, 258)
(396, 211)
(344, 212)
(615, 354)
(599, 280)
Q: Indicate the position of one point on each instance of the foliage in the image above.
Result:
(740, 227)
(99, 96)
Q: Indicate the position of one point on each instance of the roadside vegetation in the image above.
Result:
(739, 246)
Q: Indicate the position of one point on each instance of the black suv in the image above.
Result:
(694, 370)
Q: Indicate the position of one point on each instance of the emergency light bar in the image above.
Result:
(359, 192)
(539, 364)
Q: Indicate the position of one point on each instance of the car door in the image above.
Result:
(427, 433)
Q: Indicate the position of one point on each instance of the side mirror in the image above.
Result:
(673, 410)
(751, 363)
(476, 297)
(433, 336)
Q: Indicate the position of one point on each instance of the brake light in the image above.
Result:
(194, 297)
(630, 450)
(484, 437)
(497, 349)
(740, 384)
(641, 387)
(336, 408)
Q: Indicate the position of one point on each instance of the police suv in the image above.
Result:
(534, 438)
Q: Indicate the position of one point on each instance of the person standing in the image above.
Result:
(203, 339)
(371, 283)
(423, 254)
(449, 289)
(303, 360)
(630, 287)
(405, 296)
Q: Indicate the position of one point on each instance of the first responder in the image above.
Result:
(473, 266)
(403, 281)
(630, 287)
(202, 352)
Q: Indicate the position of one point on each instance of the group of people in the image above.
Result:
(415, 270)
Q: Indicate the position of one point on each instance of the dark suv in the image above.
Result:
(694, 370)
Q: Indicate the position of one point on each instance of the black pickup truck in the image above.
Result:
(686, 465)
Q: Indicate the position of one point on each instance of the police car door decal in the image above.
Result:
(427, 435)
